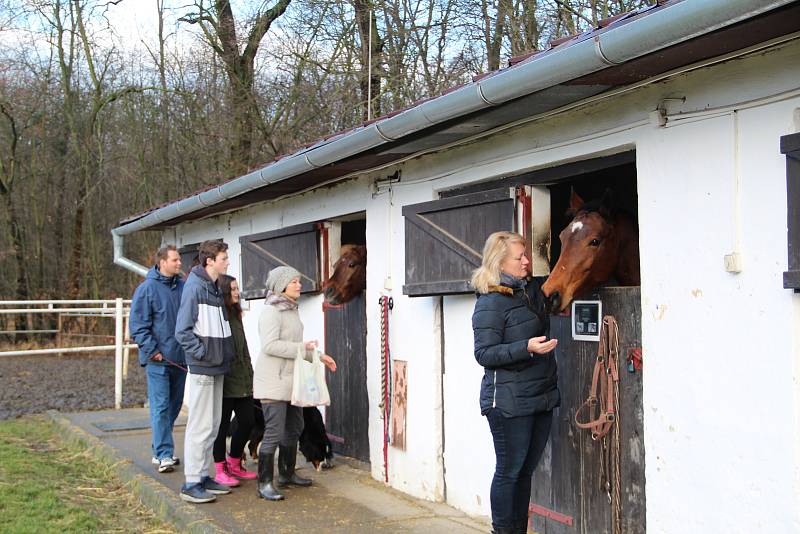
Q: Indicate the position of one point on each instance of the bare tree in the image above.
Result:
(9, 173)
(218, 24)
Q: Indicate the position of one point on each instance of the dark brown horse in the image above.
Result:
(349, 276)
(599, 244)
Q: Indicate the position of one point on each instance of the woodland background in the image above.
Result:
(96, 126)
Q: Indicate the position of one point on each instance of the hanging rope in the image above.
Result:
(604, 423)
(386, 304)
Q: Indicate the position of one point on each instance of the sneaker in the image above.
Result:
(196, 493)
(166, 465)
(212, 486)
(156, 461)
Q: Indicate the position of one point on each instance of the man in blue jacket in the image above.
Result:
(154, 312)
(205, 334)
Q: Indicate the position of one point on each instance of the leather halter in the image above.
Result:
(603, 389)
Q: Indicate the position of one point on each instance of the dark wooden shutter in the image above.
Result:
(297, 246)
(445, 238)
(790, 145)
(188, 254)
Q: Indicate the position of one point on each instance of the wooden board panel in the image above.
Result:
(297, 246)
(444, 239)
(568, 480)
(399, 399)
(347, 418)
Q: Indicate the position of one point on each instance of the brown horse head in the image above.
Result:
(349, 276)
(598, 244)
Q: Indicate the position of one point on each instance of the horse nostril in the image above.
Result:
(555, 301)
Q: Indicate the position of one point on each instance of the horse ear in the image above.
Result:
(606, 203)
(575, 202)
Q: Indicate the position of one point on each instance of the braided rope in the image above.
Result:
(613, 452)
(385, 406)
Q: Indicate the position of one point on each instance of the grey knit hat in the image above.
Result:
(279, 278)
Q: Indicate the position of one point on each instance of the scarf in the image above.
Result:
(512, 281)
(280, 301)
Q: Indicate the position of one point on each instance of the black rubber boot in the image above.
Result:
(266, 468)
(287, 457)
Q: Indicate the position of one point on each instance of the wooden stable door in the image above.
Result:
(347, 418)
(568, 493)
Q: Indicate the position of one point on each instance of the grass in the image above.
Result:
(50, 485)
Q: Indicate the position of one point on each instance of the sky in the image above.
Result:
(137, 20)
(134, 19)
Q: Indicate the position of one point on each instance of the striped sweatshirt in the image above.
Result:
(202, 326)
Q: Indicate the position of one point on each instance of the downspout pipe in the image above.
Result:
(668, 25)
(119, 255)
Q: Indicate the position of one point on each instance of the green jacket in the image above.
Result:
(239, 380)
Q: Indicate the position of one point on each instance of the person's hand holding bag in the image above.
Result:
(328, 361)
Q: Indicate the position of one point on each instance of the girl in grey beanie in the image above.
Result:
(281, 333)
(279, 277)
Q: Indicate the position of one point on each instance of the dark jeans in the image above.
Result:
(165, 397)
(518, 445)
(243, 407)
(283, 424)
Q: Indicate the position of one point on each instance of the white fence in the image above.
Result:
(119, 309)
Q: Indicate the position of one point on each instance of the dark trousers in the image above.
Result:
(243, 407)
(283, 424)
(518, 445)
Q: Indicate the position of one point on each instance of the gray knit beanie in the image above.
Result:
(279, 278)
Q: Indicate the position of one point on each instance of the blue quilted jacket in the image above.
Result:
(154, 310)
(515, 381)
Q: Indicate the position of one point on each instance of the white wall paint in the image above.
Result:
(723, 357)
(469, 452)
(414, 338)
(719, 376)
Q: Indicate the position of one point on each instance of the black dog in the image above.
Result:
(256, 433)
(314, 442)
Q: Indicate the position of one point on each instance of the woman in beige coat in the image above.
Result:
(281, 333)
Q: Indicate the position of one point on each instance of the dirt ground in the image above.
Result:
(33, 384)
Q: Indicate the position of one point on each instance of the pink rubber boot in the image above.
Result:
(222, 476)
(236, 468)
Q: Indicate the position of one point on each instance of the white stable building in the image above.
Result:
(690, 112)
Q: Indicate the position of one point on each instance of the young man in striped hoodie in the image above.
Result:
(203, 331)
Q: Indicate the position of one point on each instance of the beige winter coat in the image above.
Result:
(281, 334)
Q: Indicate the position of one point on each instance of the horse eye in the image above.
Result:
(594, 243)
(351, 264)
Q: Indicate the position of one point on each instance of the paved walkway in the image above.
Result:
(342, 500)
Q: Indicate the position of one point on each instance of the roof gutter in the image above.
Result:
(669, 25)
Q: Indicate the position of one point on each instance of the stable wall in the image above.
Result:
(722, 354)
(711, 183)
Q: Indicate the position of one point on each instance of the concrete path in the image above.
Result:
(344, 499)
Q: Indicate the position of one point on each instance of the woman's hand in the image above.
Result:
(538, 345)
(328, 361)
(311, 345)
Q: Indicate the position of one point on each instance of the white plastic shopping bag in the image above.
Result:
(309, 387)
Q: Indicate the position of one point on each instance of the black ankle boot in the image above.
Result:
(287, 457)
(266, 468)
